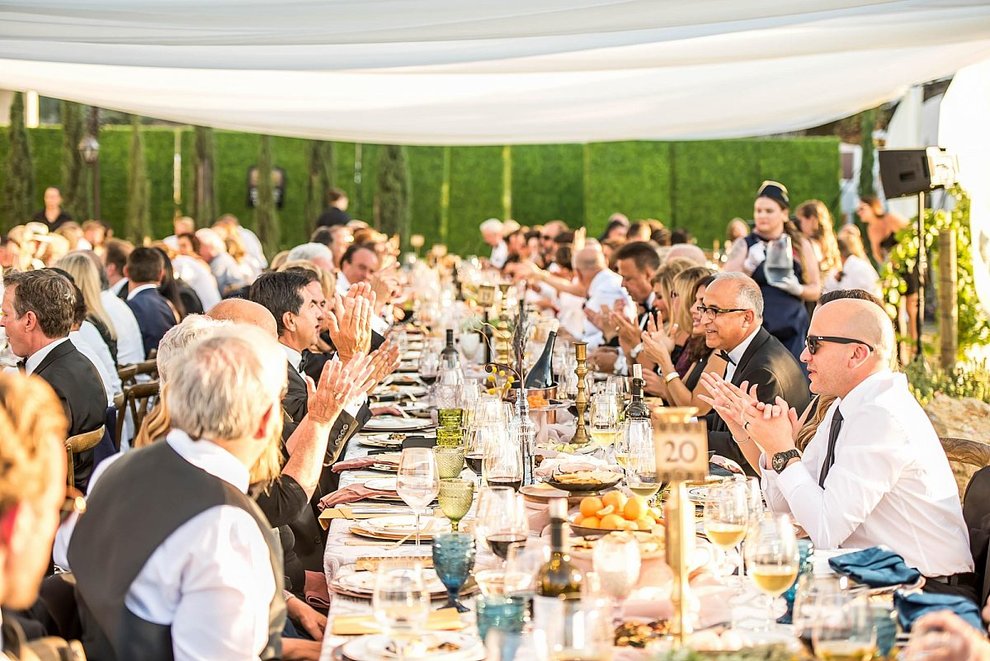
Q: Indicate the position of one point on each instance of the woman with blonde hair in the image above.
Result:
(87, 278)
(815, 223)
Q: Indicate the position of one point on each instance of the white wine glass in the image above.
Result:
(845, 629)
(417, 481)
(616, 560)
(604, 418)
(772, 558)
(727, 517)
(641, 464)
(502, 465)
(401, 604)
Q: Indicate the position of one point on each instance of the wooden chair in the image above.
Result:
(137, 399)
(149, 367)
(81, 443)
(127, 374)
(965, 457)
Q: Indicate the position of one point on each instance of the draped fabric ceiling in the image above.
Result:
(515, 71)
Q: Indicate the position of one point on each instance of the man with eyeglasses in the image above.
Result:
(732, 315)
(875, 472)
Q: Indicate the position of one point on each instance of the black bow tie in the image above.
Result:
(22, 366)
(724, 355)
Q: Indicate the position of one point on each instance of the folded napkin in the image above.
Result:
(349, 494)
(568, 463)
(361, 462)
(876, 567)
(445, 619)
(912, 605)
(316, 591)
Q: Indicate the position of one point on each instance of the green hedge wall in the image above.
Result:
(696, 185)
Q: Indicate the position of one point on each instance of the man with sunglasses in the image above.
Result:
(875, 472)
(732, 315)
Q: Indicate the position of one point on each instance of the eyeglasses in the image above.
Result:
(546, 237)
(74, 503)
(708, 311)
(813, 342)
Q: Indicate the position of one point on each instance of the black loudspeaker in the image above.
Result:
(910, 171)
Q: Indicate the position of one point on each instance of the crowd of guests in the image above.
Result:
(263, 371)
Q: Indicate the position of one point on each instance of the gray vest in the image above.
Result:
(138, 503)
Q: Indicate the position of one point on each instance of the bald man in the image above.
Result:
(243, 311)
(875, 472)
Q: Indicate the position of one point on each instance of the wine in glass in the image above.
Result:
(401, 604)
(604, 418)
(616, 560)
(846, 631)
(772, 557)
(453, 560)
(429, 366)
(727, 515)
(417, 481)
(503, 519)
(502, 465)
(455, 499)
(641, 465)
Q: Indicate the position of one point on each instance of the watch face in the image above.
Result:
(781, 458)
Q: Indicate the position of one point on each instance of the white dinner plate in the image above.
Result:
(391, 423)
(363, 582)
(378, 646)
(381, 483)
(405, 524)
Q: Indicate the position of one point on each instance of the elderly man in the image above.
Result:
(492, 231)
(875, 472)
(230, 276)
(32, 489)
(38, 308)
(317, 253)
(199, 572)
(732, 315)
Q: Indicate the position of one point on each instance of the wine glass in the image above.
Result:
(429, 365)
(450, 460)
(455, 499)
(470, 393)
(401, 604)
(727, 516)
(772, 557)
(522, 562)
(470, 344)
(502, 519)
(417, 481)
(502, 465)
(604, 418)
(846, 630)
(616, 560)
(453, 559)
(641, 464)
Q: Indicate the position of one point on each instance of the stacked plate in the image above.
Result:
(400, 527)
(381, 441)
(400, 391)
(361, 584)
(439, 646)
(387, 423)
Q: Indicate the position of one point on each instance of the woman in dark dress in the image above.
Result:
(785, 314)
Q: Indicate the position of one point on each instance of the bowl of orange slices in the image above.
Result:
(614, 510)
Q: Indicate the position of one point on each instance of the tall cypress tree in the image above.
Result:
(867, 121)
(75, 192)
(137, 222)
(18, 186)
(265, 213)
(321, 170)
(393, 193)
(204, 202)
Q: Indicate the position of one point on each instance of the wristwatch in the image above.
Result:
(779, 461)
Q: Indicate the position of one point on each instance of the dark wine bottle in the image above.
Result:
(448, 357)
(541, 375)
(637, 409)
(558, 578)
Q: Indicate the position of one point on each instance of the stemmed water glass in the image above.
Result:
(727, 516)
(617, 561)
(641, 465)
(429, 365)
(772, 558)
(401, 604)
(417, 481)
(455, 499)
(502, 519)
(453, 560)
(502, 465)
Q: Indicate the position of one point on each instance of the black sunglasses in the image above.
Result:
(813, 342)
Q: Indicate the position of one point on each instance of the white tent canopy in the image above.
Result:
(516, 71)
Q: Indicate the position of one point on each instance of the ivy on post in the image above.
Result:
(75, 192)
(393, 193)
(265, 213)
(137, 222)
(18, 185)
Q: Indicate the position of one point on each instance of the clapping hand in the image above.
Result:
(652, 383)
(384, 288)
(349, 322)
(657, 341)
(600, 319)
(339, 383)
(384, 361)
(728, 400)
(628, 331)
(772, 426)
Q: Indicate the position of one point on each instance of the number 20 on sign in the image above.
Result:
(681, 450)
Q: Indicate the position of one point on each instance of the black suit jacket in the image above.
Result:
(80, 390)
(770, 366)
(154, 317)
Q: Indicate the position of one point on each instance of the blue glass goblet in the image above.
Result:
(453, 560)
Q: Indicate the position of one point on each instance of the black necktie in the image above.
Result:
(833, 434)
(22, 366)
(724, 355)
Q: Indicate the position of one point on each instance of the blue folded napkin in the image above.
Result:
(876, 567)
(912, 605)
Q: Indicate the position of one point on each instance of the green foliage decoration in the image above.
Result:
(974, 324)
(75, 191)
(969, 378)
(17, 204)
(265, 213)
(867, 122)
(137, 222)
(393, 194)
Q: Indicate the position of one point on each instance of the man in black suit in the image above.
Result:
(733, 318)
(144, 270)
(38, 311)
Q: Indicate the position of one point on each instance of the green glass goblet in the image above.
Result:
(450, 460)
(455, 499)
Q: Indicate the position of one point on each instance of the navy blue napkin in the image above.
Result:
(876, 567)
(912, 605)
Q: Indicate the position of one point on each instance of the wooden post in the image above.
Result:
(948, 312)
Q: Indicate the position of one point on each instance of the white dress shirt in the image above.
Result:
(343, 284)
(119, 286)
(197, 275)
(88, 341)
(604, 289)
(31, 362)
(210, 579)
(737, 354)
(130, 348)
(140, 288)
(857, 273)
(295, 359)
(890, 484)
(252, 246)
(500, 253)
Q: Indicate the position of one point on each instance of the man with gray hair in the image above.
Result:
(875, 472)
(317, 253)
(732, 316)
(492, 233)
(199, 572)
(230, 276)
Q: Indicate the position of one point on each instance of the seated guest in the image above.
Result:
(199, 572)
(359, 263)
(317, 253)
(230, 276)
(874, 473)
(856, 271)
(38, 309)
(337, 238)
(493, 232)
(32, 489)
(115, 259)
(252, 245)
(145, 270)
(94, 350)
(99, 329)
(190, 268)
(130, 348)
(732, 315)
